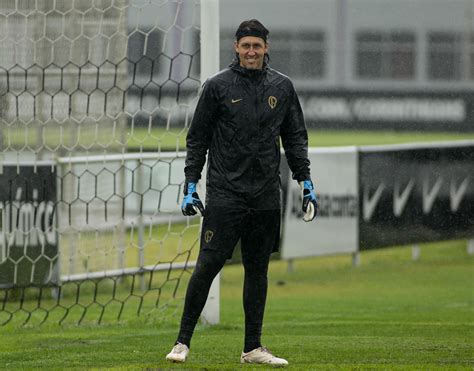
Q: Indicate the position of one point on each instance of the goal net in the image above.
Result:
(95, 100)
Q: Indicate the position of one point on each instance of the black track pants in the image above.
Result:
(222, 228)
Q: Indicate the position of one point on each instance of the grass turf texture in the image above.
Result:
(142, 139)
(157, 139)
(388, 313)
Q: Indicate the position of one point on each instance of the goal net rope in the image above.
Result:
(95, 101)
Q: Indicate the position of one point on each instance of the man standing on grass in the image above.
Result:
(242, 113)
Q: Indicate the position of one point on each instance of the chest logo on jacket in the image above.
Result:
(272, 101)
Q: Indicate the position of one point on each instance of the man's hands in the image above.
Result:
(310, 203)
(191, 203)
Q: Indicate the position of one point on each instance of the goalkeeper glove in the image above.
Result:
(310, 203)
(191, 203)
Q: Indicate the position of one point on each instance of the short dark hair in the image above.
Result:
(252, 27)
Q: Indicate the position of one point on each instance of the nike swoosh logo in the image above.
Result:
(456, 195)
(400, 199)
(236, 100)
(370, 203)
(429, 196)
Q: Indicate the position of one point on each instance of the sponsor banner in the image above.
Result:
(334, 172)
(413, 195)
(449, 111)
(351, 109)
(28, 239)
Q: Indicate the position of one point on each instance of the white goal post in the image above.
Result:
(210, 66)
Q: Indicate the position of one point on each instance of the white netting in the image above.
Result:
(95, 100)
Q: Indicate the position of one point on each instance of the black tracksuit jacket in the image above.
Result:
(240, 117)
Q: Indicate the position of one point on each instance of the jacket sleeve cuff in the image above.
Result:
(302, 177)
(192, 179)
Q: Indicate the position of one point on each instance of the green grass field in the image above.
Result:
(143, 139)
(152, 140)
(388, 313)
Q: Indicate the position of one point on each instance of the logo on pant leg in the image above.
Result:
(208, 235)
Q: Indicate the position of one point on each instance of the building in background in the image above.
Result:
(370, 64)
(360, 64)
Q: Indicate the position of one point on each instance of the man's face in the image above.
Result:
(251, 51)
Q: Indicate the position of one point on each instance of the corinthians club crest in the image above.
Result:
(208, 235)
(272, 101)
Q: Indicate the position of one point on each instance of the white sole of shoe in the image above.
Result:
(263, 364)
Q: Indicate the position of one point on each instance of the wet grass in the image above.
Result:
(142, 139)
(388, 313)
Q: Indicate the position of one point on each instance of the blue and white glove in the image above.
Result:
(191, 204)
(310, 203)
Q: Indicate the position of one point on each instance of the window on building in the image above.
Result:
(445, 53)
(298, 54)
(472, 56)
(385, 55)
